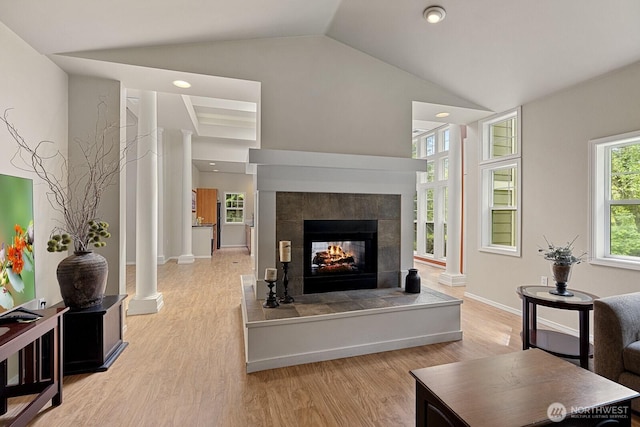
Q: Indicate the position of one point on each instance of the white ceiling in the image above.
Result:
(495, 53)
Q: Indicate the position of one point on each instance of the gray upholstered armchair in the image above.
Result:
(616, 340)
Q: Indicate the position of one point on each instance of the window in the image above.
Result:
(430, 223)
(234, 208)
(431, 145)
(500, 180)
(445, 140)
(431, 171)
(615, 201)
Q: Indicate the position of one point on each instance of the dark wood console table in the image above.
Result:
(93, 336)
(38, 345)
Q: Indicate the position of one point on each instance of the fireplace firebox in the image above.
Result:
(340, 255)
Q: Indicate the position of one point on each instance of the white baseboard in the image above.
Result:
(345, 334)
(541, 320)
(338, 353)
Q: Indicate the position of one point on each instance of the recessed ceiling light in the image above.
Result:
(212, 163)
(216, 170)
(181, 84)
(442, 115)
(434, 14)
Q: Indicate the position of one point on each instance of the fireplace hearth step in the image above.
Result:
(358, 322)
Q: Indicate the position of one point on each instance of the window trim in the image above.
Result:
(485, 192)
(486, 166)
(244, 198)
(437, 185)
(599, 235)
(485, 140)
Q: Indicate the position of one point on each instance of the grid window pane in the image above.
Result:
(503, 227)
(429, 231)
(444, 164)
(445, 240)
(504, 187)
(234, 207)
(625, 230)
(431, 171)
(445, 140)
(431, 145)
(430, 205)
(503, 137)
(625, 172)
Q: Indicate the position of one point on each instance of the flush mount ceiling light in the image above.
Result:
(434, 14)
(442, 115)
(181, 84)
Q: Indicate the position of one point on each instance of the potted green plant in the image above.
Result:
(76, 195)
(563, 260)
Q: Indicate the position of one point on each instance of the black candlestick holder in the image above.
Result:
(271, 301)
(286, 299)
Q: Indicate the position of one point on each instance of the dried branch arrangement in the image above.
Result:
(75, 193)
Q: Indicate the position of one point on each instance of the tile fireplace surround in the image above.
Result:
(292, 208)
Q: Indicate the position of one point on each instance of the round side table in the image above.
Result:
(556, 343)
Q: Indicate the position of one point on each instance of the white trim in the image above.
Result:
(439, 185)
(244, 208)
(346, 334)
(333, 161)
(349, 351)
(540, 320)
(485, 191)
(484, 135)
(488, 164)
(598, 214)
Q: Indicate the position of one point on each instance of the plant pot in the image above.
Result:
(82, 278)
(561, 274)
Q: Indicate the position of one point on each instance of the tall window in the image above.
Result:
(615, 210)
(430, 225)
(234, 208)
(500, 183)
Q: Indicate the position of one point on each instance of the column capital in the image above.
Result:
(186, 132)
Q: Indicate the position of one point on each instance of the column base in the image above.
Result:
(148, 305)
(161, 260)
(455, 279)
(186, 259)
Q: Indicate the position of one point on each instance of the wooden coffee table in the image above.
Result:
(517, 389)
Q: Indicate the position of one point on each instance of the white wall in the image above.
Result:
(36, 90)
(231, 234)
(555, 179)
(84, 95)
(317, 94)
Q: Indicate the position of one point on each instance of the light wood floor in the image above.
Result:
(184, 366)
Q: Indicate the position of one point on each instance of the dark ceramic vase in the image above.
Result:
(412, 282)
(82, 278)
(561, 275)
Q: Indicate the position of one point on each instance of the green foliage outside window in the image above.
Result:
(625, 186)
(234, 207)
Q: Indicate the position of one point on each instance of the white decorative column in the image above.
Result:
(453, 276)
(161, 258)
(187, 252)
(147, 299)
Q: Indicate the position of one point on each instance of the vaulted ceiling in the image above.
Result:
(495, 53)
